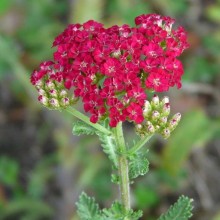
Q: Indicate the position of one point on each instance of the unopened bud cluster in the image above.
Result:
(156, 114)
(53, 95)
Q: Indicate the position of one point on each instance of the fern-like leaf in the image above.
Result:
(81, 127)
(181, 210)
(134, 215)
(109, 147)
(138, 166)
(117, 212)
(87, 208)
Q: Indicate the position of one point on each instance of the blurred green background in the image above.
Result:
(43, 167)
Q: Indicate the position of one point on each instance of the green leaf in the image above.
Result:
(135, 215)
(88, 209)
(81, 127)
(109, 146)
(117, 212)
(138, 166)
(181, 210)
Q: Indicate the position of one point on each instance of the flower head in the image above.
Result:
(111, 69)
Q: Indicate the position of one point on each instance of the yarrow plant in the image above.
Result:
(111, 70)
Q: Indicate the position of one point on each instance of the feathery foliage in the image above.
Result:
(181, 210)
(108, 142)
(109, 147)
(88, 209)
(80, 127)
(138, 166)
(117, 212)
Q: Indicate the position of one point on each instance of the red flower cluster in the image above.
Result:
(110, 69)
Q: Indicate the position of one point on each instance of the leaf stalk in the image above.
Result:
(84, 118)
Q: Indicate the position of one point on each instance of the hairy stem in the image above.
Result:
(123, 167)
(84, 118)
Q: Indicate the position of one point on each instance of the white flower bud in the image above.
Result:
(42, 92)
(39, 84)
(63, 93)
(65, 101)
(166, 109)
(53, 93)
(50, 85)
(150, 129)
(174, 121)
(148, 123)
(147, 108)
(155, 115)
(157, 127)
(165, 100)
(172, 124)
(177, 117)
(54, 103)
(138, 127)
(155, 101)
(166, 133)
(147, 104)
(43, 100)
(163, 120)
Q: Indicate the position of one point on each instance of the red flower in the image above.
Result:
(92, 102)
(115, 116)
(134, 112)
(111, 69)
(158, 81)
(92, 26)
(152, 50)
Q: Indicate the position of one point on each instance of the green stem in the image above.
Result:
(123, 168)
(139, 144)
(84, 118)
